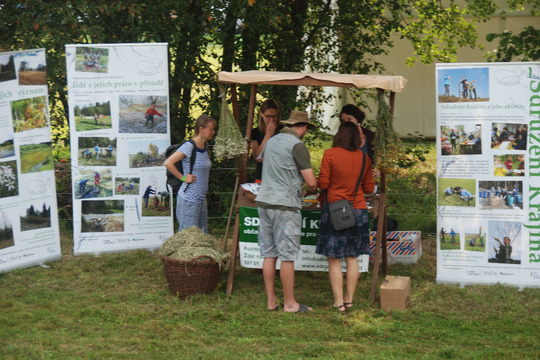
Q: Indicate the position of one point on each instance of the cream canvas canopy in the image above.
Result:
(255, 77)
(393, 84)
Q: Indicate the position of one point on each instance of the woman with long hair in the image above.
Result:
(270, 116)
(341, 168)
(191, 207)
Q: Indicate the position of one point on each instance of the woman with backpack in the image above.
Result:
(191, 207)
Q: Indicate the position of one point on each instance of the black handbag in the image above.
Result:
(342, 211)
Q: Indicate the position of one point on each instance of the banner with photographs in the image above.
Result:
(119, 126)
(29, 233)
(488, 173)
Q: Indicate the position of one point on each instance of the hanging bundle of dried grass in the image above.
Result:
(387, 149)
(229, 143)
(192, 242)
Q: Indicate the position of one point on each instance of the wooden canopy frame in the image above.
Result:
(255, 78)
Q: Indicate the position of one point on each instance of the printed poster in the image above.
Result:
(119, 126)
(488, 173)
(29, 233)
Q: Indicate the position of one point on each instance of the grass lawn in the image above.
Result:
(117, 306)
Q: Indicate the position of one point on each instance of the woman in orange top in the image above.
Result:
(340, 169)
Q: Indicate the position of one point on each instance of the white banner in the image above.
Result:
(119, 125)
(29, 232)
(488, 173)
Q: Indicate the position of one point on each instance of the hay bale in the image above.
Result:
(191, 243)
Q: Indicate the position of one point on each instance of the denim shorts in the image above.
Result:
(279, 233)
(191, 214)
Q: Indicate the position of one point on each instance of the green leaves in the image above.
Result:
(523, 46)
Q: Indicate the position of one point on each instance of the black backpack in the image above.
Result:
(172, 180)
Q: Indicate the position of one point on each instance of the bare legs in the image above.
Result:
(286, 273)
(336, 280)
(269, 275)
(352, 280)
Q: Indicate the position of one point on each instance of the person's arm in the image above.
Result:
(324, 174)
(170, 163)
(302, 160)
(368, 184)
(310, 180)
(256, 148)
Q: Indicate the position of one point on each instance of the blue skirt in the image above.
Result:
(351, 242)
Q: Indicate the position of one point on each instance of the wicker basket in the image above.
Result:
(190, 277)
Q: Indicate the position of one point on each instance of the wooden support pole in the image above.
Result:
(231, 210)
(378, 242)
(234, 254)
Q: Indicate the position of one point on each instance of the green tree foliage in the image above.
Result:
(289, 35)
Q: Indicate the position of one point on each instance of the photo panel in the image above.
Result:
(92, 115)
(509, 165)
(35, 215)
(463, 85)
(462, 139)
(36, 157)
(475, 235)
(7, 68)
(93, 183)
(457, 192)
(449, 234)
(28, 114)
(504, 242)
(6, 231)
(126, 185)
(509, 136)
(147, 153)
(500, 195)
(102, 216)
(143, 114)
(91, 59)
(31, 67)
(7, 147)
(9, 181)
(97, 151)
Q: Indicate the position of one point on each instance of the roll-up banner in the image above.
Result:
(119, 126)
(488, 173)
(29, 233)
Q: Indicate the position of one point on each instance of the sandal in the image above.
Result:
(348, 304)
(302, 309)
(340, 308)
(278, 306)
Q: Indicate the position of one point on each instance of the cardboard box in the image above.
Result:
(395, 293)
(403, 247)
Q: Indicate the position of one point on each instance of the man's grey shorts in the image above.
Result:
(279, 233)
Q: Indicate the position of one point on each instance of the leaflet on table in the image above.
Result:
(29, 233)
(119, 122)
(487, 168)
(251, 187)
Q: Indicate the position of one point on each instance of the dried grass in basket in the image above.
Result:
(190, 277)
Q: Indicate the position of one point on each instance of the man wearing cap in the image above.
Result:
(286, 166)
